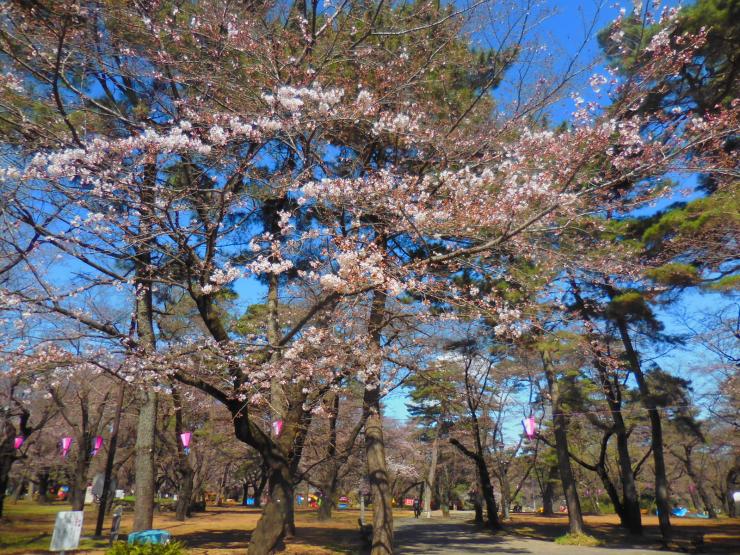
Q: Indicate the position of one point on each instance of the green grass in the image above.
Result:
(11, 542)
(583, 540)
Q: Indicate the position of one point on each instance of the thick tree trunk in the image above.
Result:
(632, 518)
(281, 456)
(488, 497)
(445, 492)
(328, 498)
(575, 516)
(7, 458)
(377, 471)
(429, 487)
(184, 493)
(505, 495)
(79, 478)
(548, 491)
(43, 479)
(662, 498)
(145, 476)
(271, 527)
(478, 506)
(329, 489)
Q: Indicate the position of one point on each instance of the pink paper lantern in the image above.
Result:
(185, 438)
(18, 442)
(530, 427)
(97, 445)
(277, 427)
(66, 443)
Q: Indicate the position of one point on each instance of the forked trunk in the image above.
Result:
(662, 498)
(271, 526)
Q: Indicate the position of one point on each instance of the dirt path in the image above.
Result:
(453, 536)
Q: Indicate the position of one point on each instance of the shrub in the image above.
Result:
(583, 540)
(171, 548)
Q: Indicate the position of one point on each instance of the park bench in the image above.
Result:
(366, 532)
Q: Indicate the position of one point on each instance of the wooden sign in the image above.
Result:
(67, 530)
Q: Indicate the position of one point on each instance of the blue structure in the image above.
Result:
(149, 536)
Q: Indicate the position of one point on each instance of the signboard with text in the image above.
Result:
(67, 530)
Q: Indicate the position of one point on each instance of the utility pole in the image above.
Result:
(109, 461)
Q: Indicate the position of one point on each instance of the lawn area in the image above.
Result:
(27, 528)
(719, 535)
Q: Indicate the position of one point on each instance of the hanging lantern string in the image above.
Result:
(628, 411)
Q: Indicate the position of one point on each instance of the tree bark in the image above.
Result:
(144, 464)
(7, 458)
(560, 429)
(82, 464)
(445, 492)
(43, 479)
(330, 486)
(548, 491)
(662, 498)
(377, 471)
(147, 423)
(429, 488)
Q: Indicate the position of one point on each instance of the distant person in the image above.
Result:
(417, 507)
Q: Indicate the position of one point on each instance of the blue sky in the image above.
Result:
(563, 32)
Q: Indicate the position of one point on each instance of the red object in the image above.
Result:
(277, 427)
(408, 502)
(18, 442)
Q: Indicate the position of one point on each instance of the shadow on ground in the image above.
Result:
(238, 539)
(442, 537)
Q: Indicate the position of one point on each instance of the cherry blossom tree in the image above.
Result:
(348, 156)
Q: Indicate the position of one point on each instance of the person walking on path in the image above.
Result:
(417, 507)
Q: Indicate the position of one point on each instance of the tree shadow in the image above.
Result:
(441, 537)
(238, 539)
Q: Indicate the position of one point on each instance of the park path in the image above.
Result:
(453, 536)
